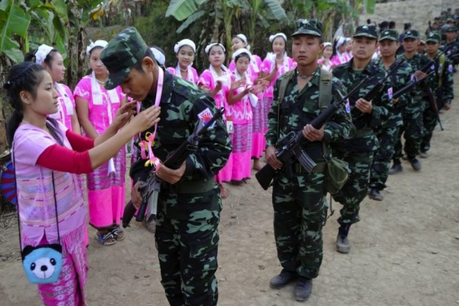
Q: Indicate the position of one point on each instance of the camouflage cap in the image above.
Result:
(411, 34)
(366, 31)
(388, 34)
(121, 54)
(451, 29)
(433, 37)
(308, 27)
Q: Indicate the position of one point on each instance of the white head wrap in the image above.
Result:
(209, 46)
(340, 41)
(42, 53)
(240, 51)
(327, 44)
(98, 43)
(184, 42)
(273, 37)
(242, 37)
(159, 56)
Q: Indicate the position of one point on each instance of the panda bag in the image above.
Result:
(43, 263)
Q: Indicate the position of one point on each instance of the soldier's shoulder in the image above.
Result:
(186, 90)
(340, 68)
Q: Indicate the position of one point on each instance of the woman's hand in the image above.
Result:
(145, 119)
(123, 114)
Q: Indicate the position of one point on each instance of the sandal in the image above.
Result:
(118, 233)
(105, 239)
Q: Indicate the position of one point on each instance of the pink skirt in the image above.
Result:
(242, 151)
(258, 137)
(106, 206)
(69, 288)
(268, 102)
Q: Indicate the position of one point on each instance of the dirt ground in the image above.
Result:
(405, 251)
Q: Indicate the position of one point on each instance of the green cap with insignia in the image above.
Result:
(366, 31)
(390, 34)
(411, 34)
(121, 54)
(451, 29)
(433, 37)
(308, 27)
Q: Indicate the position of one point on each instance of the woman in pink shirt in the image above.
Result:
(241, 99)
(275, 64)
(185, 51)
(96, 109)
(47, 155)
(254, 72)
(53, 62)
(217, 81)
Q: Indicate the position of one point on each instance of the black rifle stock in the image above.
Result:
(289, 147)
(151, 187)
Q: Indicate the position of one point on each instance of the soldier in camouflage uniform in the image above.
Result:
(299, 205)
(413, 126)
(189, 201)
(442, 86)
(366, 115)
(451, 44)
(387, 133)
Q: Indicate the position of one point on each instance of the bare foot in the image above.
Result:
(256, 164)
(223, 192)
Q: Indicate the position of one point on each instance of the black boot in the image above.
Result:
(283, 279)
(303, 289)
(342, 243)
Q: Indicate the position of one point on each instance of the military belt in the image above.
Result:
(362, 132)
(320, 168)
(195, 186)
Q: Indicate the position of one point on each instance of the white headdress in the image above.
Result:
(42, 53)
(98, 43)
(184, 42)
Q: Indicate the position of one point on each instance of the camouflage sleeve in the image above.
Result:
(214, 148)
(381, 108)
(402, 78)
(448, 82)
(271, 135)
(340, 126)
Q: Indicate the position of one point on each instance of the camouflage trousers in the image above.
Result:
(187, 242)
(300, 209)
(381, 161)
(412, 130)
(356, 187)
(430, 122)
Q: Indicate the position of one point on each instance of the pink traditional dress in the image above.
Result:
(209, 79)
(66, 106)
(37, 213)
(191, 75)
(321, 63)
(258, 136)
(267, 67)
(340, 58)
(241, 138)
(106, 183)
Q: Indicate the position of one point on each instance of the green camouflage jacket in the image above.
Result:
(299, 108)
(396, 81)
(417, 62)
(181, 105)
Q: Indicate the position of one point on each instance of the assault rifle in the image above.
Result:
(409, 87)
(151, 187)
(378, 87)
(289, 147)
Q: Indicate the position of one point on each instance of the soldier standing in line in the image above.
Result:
(366, 115)
(451, 44)
(442, 87)
(189, 202)
(413, 127)
(387, 133)
(299, 204)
